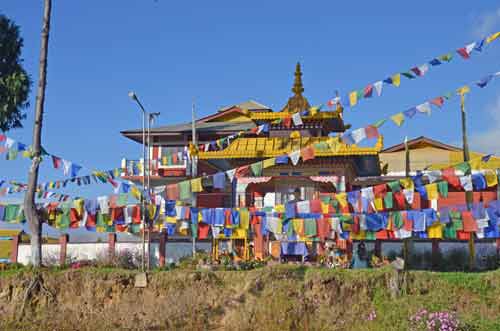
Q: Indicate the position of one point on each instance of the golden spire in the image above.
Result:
(297, 85)
(297, 102)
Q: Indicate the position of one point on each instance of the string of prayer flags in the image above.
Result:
(353, 97)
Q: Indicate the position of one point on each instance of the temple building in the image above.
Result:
(231, 138)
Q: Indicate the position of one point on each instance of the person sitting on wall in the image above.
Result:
(360, 258)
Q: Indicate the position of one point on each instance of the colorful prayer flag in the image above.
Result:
(399, 118)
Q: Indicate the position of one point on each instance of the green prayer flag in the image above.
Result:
(370, 235)
(326, 199)
(408, 75)
(134, 228)
(256, 168)
(449, 232)
(388, 203)
(10, 213)
(395, 186)
(443, 188)
(122, 200)
(194, 230)
(310, 229)
(290, 231)
(397, 219)
(360, 94)
(464, 167)
(379, 123)
(184, 190)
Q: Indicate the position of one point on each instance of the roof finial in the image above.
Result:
(298, 88)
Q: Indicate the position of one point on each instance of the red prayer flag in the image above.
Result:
(287, 122)
(3, 149)
(172, 192)
(368, 91)
(380, 190)
(315, 206)
(56, 162)
(2, 137)
(469, 223)
(448, 175)
(307, 153)
(417, 71)
(242, 171)
(371, 132)
(463, 53)
(439, 101)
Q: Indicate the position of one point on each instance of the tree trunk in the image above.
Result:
(34, 222)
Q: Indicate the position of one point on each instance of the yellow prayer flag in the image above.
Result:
(432, 191)
(407, 183)
(244, 219)
(491, 178)
(353, 98)
(269, 162)
(171, 219)
(399, 118)
(196, 185)
(379, 204)
(279, 208)
(135, 192)
(342, 199)
(475, 163)
(298, 226)
(492, 37)
(396, 80)
(325, 207)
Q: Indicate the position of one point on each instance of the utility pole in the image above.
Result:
(194, 168)
(151, 117)
(469, 195)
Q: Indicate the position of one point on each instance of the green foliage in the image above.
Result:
(14, 81)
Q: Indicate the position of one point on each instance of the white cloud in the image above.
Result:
(488, 141)
(486, 23)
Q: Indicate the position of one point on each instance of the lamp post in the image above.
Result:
(133, 96)
(151, 117)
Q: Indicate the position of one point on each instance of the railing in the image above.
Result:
(159, 167)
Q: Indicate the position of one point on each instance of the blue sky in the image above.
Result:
(224, 52)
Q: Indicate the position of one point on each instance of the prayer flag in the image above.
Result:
(230, 174)
(446, 57)
(368, 91)
(484, 81)
(378, 87)
(388, 80)
(479, 45)
(307, 153)
(196, 185)
(371, 132)
(408, 75)
(353, 98)
(358, 135)
(396, 80)
(492, 37)
(379, 123)
(75, 169)
(268, 162)
(424, 108)
(57, 162)
(439, 101)
(2, 137)
(399, 118)
(347, 138)
(410, 112)
(297, 120)
(294, 157)
(256, 168)
(463, 53)
(66, 167)
(435, 62)
(359, 94)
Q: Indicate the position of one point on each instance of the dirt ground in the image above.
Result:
(271, 298)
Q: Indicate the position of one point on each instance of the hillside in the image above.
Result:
(282, 297)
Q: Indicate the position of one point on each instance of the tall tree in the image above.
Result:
(14, 81)
(30, 210)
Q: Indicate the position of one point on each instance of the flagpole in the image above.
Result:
(469, 195)
(194, 169)
(406, 241)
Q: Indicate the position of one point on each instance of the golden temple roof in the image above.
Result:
(270, 147)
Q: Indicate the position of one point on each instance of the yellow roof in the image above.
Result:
(457, 157)
(321, 115)
(275, 146)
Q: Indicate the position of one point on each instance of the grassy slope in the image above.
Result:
(274, 298)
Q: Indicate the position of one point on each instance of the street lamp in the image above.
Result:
(133, 96)
(151, 117)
